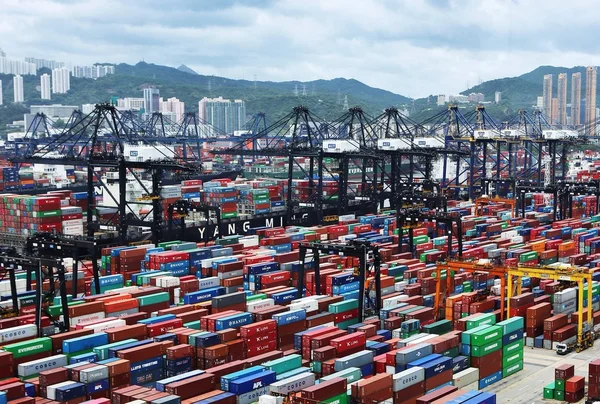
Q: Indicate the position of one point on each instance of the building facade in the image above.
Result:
(497, 97)
(1, 96)
(590, 100)
(61, 80)
(151, 100)
(562, 99)
(18, 89)
(547, 94)
(174, 106)
(576, 99)
(45, 87)
(225, 116)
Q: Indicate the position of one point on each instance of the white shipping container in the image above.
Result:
(51, 390)
(34, 367)
(72, 222)
(259, 304)
(407, 378)
(106, 325)
(308, 306)
(340, 146)
(394, 144)
(293, 384)
(465, 377)
(393, 301)
(19, 332)
(88, 318)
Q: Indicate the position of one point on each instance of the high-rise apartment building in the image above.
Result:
(45, 87)
(554, 111)
(151, 100)
(497, 97)
(61, 80)
(590, 100)
(562, 99)
(43, 63)
(1, 97)
(133, 104)
(576, 99)
(547, 94)
(18, 89)
(174, 106)
(224, 115)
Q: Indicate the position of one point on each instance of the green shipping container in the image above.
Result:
(192, 338)
(559, 395)
(512, 369)
(466, 336)
(420, 240)
(194, 325)
(512, 348)
(316, 367)
(402, 314)
(339, 399)
(153, 299)
(345, 324)
(285, 364)
(560, 385)
(31, 347)
(528, 256)
(341, 307)
(512, 358)
(168, 244)
(511, 325)
(479, 351)
(439, 327)
(452, 352)
(549, 391)
(253, 298)
(483, 319)
(486, 336)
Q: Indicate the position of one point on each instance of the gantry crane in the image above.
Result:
(565, 273)
(469, 265)
(486, 201)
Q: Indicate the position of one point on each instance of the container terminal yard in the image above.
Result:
(360, 260)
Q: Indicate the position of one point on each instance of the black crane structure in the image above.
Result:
(369, 267)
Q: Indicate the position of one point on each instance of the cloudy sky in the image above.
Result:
(411, 47)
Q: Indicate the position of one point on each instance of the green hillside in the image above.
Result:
(275, 99)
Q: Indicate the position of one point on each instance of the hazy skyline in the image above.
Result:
(411, 47)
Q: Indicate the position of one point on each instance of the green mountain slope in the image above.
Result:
(273, 98)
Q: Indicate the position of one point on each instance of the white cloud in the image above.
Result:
(411, 47)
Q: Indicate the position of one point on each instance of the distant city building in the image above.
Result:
(547, 94)
(562, 99)
(87, 108)
(18, 89)
(173, 105)
(540, 103)
(43, 63)
(554, 111)
(224, 115)
(476, 97)
(133, 104)
(441, 99)
(590, 99)
(576, 99)
(16, 67)
(61, 80)
(459, 99)
(45, 87)
(151, 100)
(1, 97)
(54, 110)
(92, 72)
(497, 97)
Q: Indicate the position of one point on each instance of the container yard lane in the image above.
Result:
(538, 370)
